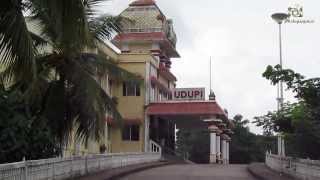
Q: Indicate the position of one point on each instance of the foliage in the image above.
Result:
(247, 147)
(22, 133)
(195, 143)
(280, 121)
(61, 80)
(299, 121)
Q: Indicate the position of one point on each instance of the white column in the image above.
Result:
(224, 151)
(146, 133)
(281, 146)
(283, 151)
(228, 155)
(213, 149)
(218, 149)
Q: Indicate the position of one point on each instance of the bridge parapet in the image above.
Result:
(63, 168)
(298, 168)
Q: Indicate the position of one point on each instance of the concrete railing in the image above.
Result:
(299, 168)
(62, 168)
(155, 147)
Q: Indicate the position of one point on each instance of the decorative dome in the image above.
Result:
(148, 24)
(143, 3)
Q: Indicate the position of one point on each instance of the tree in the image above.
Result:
(22, 133)
(195, 143)
(279, 121)
(245, 146)
(60, 83)
(300, 122)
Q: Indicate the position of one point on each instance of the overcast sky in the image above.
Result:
(242, 40)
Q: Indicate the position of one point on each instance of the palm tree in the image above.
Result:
(63, 82)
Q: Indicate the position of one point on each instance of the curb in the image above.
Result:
(113, 174)
(254, 174)
(262, 172)
(125, 173)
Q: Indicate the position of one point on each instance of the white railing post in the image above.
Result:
(99, 164)
(25, 167)
(86, 164)
(53, 170)
(71, 166)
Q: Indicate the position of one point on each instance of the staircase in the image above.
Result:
(169, 154)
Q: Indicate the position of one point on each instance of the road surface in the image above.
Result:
(193, 171)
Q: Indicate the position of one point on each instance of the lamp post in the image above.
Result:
(279, 141)
(279, 18)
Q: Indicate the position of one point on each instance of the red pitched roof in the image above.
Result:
(143, 3)
(203, 108)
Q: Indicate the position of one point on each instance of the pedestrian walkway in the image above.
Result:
(120, 172)
(193, 171)
(262, 172)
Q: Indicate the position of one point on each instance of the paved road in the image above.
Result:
(190, 172)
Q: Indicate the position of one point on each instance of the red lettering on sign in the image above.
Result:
(183, 94)
(196, 93)
(176, 94)
(190, 94)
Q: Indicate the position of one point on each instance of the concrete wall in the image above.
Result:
(118, 145)
(130, 107)
(72, 167)
(163, 81)
(305, 169)
(140, 47)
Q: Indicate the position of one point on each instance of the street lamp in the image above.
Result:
(279, 18)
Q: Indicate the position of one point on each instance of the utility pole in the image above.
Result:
(279, 18)
(212, 96)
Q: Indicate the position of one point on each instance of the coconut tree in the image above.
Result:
(61, 79)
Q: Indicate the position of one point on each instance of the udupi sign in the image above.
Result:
(188, 94)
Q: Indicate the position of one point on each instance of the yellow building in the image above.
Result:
(147, 44)
(144, 47)
(151, 110)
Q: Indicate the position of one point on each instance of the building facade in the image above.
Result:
(150, 110)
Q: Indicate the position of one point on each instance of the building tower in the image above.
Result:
(147, 43)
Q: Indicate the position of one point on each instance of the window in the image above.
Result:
(131, 89)
(130, 133)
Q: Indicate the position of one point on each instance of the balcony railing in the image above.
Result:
(143, 30)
